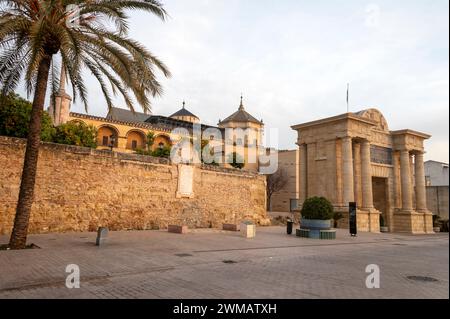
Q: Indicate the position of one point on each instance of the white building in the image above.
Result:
(436, 173)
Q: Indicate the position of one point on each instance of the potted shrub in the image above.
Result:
(317, 214)
(383, 227)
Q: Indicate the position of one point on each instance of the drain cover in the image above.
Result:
(229, 262)
(400, 244)
(422, 278)
(183, 255)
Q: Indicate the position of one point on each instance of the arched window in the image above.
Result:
(135, 140)
(161, 141)
(106, 135)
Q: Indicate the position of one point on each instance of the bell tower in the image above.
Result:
(59, 109)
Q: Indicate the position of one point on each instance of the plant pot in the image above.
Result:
(315, 226)
(384, 229)
(437, 229)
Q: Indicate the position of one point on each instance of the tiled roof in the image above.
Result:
(184, 112)
(241, 116)
(123, 115)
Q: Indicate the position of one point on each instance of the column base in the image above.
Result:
(368, 220)
(413, 222)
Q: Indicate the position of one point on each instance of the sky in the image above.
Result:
(292, 60)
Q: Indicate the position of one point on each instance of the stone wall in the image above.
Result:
(281, 200)
(437, 200)
(79, 189)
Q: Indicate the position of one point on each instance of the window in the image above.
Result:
(105, 141)
(133, 144)
(211, 138)
(239, 141)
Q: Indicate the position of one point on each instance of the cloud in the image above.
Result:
(293, 59)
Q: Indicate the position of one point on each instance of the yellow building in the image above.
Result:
(125, 131)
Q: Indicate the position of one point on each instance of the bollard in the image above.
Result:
(102, 234)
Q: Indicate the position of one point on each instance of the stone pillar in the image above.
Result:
(347, 171)
(397, 180)
(303, 162)
(357, 173)
(366, 175)
(121, 143)
(406, 181)
(421, 197)
(413, 182)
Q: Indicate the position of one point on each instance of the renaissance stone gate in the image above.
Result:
(354, 157)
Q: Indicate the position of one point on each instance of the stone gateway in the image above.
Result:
(354, 157)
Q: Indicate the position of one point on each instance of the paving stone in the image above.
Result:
(146, 265)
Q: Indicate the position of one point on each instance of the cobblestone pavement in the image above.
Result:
(156, 264)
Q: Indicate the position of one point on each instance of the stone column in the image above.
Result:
(366, 175)
(421, 197)
(406, 181)
(303, 162)
(357, 173)
(397, 180)
(347, 171)
(413, 181)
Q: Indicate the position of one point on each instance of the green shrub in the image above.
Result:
(140, 151)
(162, 152)
(150, 140)
(76, 134)
(317, 208)
(15, 114)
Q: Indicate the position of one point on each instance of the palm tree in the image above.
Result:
(90, 35)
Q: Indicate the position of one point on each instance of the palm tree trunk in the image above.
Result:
(19, 234)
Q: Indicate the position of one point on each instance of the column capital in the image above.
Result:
(419, 153)
(346, 138)
(404, 150)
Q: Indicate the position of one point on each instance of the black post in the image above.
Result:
(352, 219)
(290, 225)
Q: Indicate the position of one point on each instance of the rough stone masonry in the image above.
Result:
(80, 189)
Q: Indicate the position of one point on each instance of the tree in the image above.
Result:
(150, 140)
(236, 160)
(15, 114)
(275, 183)
(77, 134)
(88, 35)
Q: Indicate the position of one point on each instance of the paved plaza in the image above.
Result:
(218, 264)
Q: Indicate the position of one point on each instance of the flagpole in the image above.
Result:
(348, 90)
